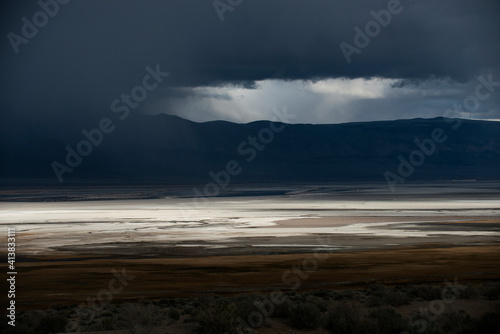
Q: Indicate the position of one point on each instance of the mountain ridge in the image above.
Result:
(168, 148)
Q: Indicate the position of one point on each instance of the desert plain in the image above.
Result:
(294, 238)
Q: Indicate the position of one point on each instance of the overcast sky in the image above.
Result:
(264, 54)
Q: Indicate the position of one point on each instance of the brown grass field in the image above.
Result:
(51, 281)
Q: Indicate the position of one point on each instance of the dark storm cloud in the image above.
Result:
(182, 93)
(92, 51)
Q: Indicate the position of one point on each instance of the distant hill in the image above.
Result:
(171, 149)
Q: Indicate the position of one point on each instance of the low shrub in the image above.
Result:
(470, 292)
(320, 303)
(455, 322)
(18, 329)
(190, 310)
(492, 291)
(305, 315)
(387, 320)
(489, 323)
(141, 318)
(343, 318)
(108, 323)
(396, 298)
(349, 295)
(219, 318)
(426, 292)
(379, 295)
(281, 310)
(325, 294)
(174, 314)
(374, 301)
(51, 324)
(245, 306)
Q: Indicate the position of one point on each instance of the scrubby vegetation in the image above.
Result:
(218, 318)
(305, 315)
(344, 318)
(375, 309)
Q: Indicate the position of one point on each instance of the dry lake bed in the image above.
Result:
(69, 242)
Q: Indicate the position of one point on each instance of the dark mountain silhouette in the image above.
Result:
(166, 148)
